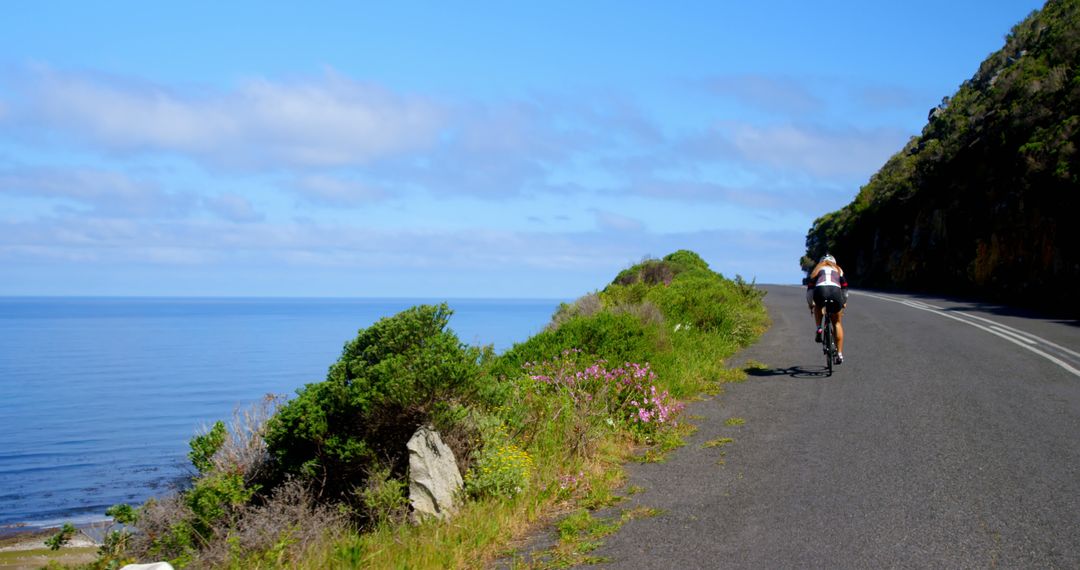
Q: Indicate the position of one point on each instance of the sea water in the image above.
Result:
(100, 396)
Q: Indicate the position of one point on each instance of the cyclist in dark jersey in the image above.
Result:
(827, 282)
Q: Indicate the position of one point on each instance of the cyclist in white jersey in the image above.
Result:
(827, 283)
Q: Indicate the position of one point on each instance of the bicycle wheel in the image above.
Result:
(827, 343)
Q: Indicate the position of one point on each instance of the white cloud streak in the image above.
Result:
(103, 192)
(233, 207)
(337, 190)
(289, 246)
(784, 95)
(839, 154)
(610, 221)
(325, 121)
(817, 151)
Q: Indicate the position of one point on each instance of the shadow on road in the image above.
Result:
(972, 304)
(792, 371)
(1011, 312)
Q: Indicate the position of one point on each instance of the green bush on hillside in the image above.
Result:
(616, 337)
(698, 297)
(401, 373)
(660, 271)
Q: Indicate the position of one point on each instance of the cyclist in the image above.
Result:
(827, 282)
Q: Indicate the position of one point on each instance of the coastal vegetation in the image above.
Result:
(982, 202)
(539, 434)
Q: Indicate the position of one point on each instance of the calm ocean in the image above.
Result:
(101, 395)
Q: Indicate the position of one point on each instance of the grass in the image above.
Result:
(754, 365)
(734, 422)
(720, 442)
(485, 531)
(581, 533)
(43, 557)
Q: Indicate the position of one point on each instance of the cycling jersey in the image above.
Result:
(828, 277)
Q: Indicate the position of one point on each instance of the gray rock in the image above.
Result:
(434, 479)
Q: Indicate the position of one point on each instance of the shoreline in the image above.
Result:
(33, 537)
(26, 550)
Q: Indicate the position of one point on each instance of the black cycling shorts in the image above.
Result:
(824, 296)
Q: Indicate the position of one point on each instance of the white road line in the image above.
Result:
(1018, 337)
(1001, 332)
(1027, 334)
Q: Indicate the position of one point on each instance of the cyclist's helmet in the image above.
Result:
(827, 257)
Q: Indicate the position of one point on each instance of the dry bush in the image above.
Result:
(645, 311)
(280, 530)
(586, 306)
(157, 519)
(649, 271)
(244, 449)
(655, 272)
(165, 527)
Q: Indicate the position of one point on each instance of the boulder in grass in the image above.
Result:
(434, 479)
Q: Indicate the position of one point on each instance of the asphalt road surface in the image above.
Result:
(950, 438)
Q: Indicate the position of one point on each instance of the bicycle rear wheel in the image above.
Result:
(829, 343)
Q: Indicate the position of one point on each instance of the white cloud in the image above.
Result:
(104, 192)
(315, 128)
(610, 221)
(337, 190)
(887, 97)
(812, 98)
(324, 121)
(774, 198)
(778, 94)
(233, 207)
(99, 193)
(830, 153)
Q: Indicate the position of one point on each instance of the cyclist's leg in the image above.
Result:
(838, 321)
(819, 305)
(837, 318)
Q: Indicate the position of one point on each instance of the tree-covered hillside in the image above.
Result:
(985, 201)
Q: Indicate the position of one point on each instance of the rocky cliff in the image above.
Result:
(985, 201)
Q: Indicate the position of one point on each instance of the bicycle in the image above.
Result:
(828, 334)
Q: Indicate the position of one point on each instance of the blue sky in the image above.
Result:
(472, 149)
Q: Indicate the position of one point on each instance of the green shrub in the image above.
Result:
(204, 446)
(685, 260)
(585, 306)
(215, 497)
(502, 470)
(625, 395)
(394, 377)
(122, 514)
(625, 295)
(614, 337)
(62, 537)
(384, 498)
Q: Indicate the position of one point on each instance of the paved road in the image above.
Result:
(940, 443)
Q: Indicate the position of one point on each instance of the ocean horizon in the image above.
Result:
(102, 394)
